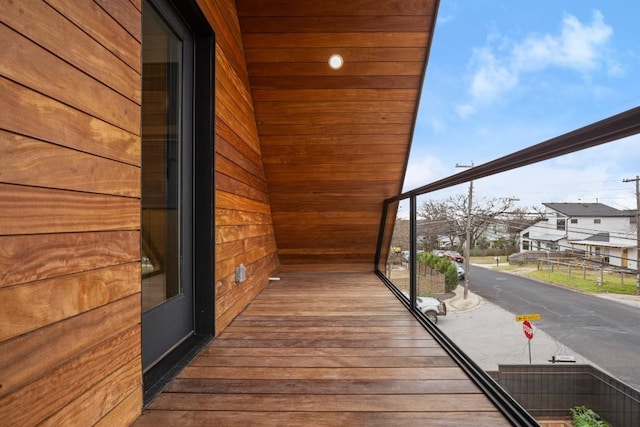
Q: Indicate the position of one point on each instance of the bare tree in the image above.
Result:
(400, 238)
(520, 218)
(516, 220)
(448, 218)
(434, 222)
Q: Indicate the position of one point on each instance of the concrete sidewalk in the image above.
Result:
(458, 304)
(632, 300)
(491, 336)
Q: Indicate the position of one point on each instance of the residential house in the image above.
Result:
(594, 230)
(495, 234)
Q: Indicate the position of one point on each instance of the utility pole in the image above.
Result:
(467, 245)
(637, 180)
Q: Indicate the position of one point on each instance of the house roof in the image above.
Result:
(547, 237)
(334, 143)
(599, 237)
(601, 244)
(585, 209)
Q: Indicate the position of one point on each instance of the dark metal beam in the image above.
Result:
(611, 129)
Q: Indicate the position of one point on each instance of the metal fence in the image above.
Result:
(551, 390)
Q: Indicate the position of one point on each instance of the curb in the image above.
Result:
(457, 303)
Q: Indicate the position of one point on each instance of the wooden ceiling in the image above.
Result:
(334, 142)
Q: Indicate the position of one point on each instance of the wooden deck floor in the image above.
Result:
(323, 349)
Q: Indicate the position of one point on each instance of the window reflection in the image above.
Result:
(161, 112)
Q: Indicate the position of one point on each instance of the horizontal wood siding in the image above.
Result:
(334, 142)
(70, 212)
(243, 225)
(70, 94)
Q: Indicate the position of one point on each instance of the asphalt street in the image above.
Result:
(599, 331)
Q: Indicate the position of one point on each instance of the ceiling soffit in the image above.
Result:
(334, 142)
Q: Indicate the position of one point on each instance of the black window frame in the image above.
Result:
(203, 251)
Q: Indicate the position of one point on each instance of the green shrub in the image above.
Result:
(584, 417)
(442, 265)
(451, 279)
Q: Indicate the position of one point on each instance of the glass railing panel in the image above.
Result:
(438, 242)
(570, 221)
(395, 254)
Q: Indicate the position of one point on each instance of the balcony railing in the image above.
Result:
(399, 245)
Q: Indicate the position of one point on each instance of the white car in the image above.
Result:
(460, 270)
(431, 307)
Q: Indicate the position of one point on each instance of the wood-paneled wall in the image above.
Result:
(70, 212)
(244, 228)
(335, 143)
(70, 81)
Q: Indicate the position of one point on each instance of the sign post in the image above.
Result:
(529, 317)
(527, 328)
(528, 332)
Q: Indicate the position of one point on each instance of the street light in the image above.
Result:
(468, 237)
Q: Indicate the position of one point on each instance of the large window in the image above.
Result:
(165, 159)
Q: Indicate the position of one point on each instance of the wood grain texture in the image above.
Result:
(337, 96)
(125, 413)
(337, 24)
(126, 14)
(322, 419)
(336, 40)
(69, 212)
(28, 161)
(27, 307)
(27, 112)
(29, 64)
(28, 357)
(333, 142)
(88, 408)
(338, 8)
(243, 226)
(346, 352)
(36, 257)
(30, 210)
(53, 32)
(87, 374)
(98, 24)
(74, 98)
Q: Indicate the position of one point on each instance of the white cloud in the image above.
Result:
(492, 78)
(588, 175)
(445, 19)
(577, 47)
(465, 110)
(422, 171)
(615, 69)
(498, 67)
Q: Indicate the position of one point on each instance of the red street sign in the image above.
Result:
(528, 329)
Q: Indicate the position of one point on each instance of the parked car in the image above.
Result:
(431, 307)
(438, 252)
(453, 255)
(460, 270)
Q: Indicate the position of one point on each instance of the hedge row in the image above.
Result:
(442, 265)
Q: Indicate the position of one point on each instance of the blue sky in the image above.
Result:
(505, 75)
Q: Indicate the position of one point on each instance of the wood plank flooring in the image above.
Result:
(323, 349)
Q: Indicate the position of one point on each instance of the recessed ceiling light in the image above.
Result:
(336, 61)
